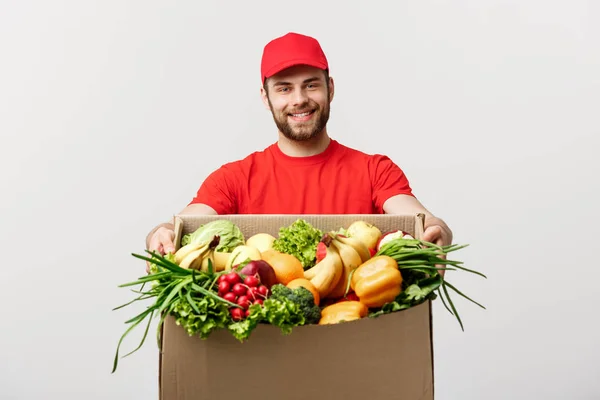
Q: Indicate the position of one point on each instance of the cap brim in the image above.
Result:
(292, 63)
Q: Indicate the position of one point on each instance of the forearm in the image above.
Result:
(404, 204)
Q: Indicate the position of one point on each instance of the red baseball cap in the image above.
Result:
(289, 50)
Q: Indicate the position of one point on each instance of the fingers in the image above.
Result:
(166, 238)
(161, 243)
(432, 234)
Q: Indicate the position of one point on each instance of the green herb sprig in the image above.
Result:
(419, 262)
(183, 293)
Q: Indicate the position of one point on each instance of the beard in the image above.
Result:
(302, 131)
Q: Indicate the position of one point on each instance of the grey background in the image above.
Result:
(112, 113)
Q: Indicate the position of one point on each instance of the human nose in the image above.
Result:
(299, 97)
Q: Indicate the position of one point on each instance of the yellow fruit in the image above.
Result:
(329, 271)
(367, 233)
(220, 259)
(241, 254)
(286, 266)
(350, 260)
(262, 241)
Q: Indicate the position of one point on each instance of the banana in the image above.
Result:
(350, 261)
(329, 271)
(314, 271)
(194, 259)
(210, 255)
(198, 259)
(185, 251)
(359, 246)
(220, 260)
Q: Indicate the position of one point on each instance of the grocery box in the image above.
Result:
(387, 357)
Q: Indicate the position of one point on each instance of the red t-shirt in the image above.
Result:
(340, 180)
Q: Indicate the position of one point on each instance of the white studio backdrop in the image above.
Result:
(112, 113)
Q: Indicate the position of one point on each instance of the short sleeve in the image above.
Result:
(387, 180)
(219, 191)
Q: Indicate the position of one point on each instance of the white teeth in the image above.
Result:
(301, 115)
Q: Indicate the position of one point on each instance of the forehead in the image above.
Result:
(298, 73)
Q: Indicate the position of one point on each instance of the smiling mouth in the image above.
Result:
(302, 117)
(303, 114)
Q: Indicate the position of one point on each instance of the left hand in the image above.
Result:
(436, 231)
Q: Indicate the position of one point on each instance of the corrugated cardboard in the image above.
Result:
(389, 357)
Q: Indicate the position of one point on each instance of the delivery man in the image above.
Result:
(305, 171)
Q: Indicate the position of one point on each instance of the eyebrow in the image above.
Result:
(309, 80)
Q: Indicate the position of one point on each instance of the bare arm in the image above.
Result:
(436, 230)
(160, 239)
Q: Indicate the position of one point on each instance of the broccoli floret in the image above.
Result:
(301, 296)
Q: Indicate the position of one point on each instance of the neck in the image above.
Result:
(307, 148)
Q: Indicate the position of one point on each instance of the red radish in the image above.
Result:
(373, 252)
(233, 278)
(230, 296)
(237, 313)
(244, 301)
(224, 287)
(263, 290)
(253, 293)
(239, 289)
(321, 251)
(251, 281)
(258, 301)
(222, 278)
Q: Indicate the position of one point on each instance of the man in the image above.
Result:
(305, 172)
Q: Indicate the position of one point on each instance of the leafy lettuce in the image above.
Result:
(300, 239)
(213, 315)
(230, 235)
(282, 313)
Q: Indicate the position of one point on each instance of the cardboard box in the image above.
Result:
(388, 357)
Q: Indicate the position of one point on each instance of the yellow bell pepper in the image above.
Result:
(372, 266)
(343, 311)
(377, 283)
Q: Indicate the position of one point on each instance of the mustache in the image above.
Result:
(304, 107)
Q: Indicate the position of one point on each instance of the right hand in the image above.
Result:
(162, 242)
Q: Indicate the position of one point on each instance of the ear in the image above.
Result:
(331, 89)
(263, 95)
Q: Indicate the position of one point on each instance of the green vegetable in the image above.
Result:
(413, 295)
(241, 330)
(188, 295)
(282, 313)
(210, 315)
(230, 235)
(418, 261)
(154, 268)
(300, 296)
(300, 239)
